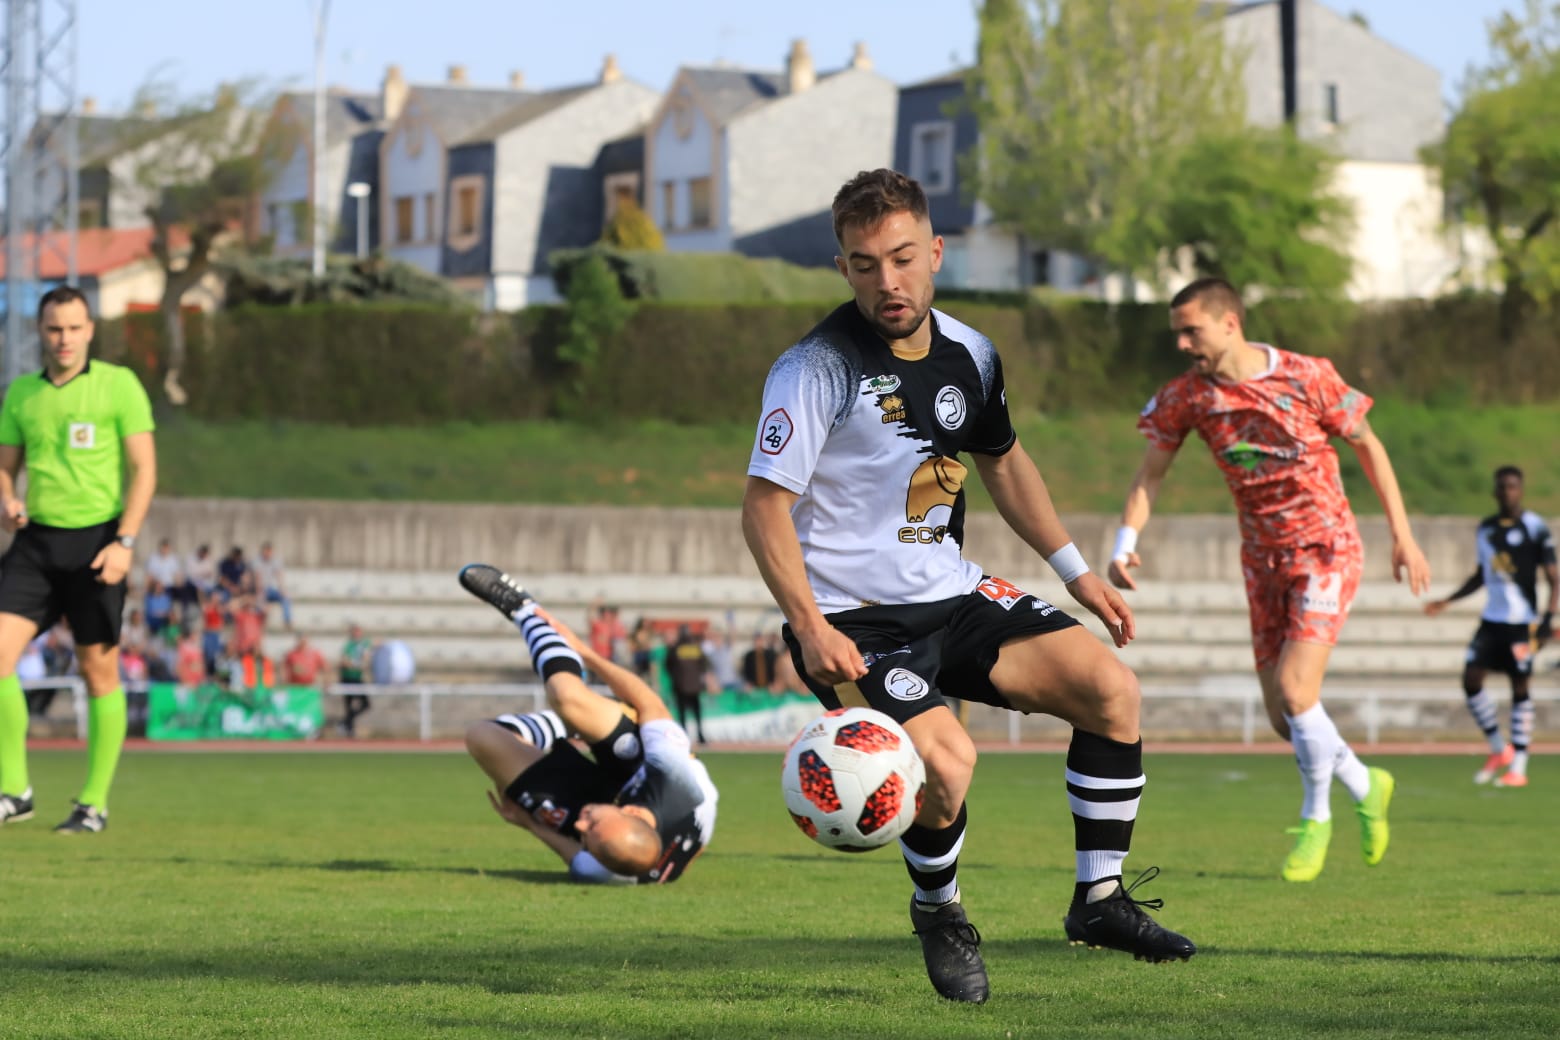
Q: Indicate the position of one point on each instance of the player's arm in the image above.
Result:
(1141, 496)
(1546, 625)
(1474, 583)
(1406, 554)
(1022, 499)
(13, 511)
(113, 561)
(829, 654)
(582, 865)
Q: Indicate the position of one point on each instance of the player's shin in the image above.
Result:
(932, 859)
(1104, 785)
(13, 737)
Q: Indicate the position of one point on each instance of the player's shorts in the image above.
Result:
(1300, 594)
(918, 655)
(558, 785)
(47, 574)
(1503, 647)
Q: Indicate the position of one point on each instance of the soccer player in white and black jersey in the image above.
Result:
(854, 512)
(640, 807)
(1513, 546)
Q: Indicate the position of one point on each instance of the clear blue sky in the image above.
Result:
(199, 43)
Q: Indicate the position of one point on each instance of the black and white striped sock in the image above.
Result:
(932, 858)
(1104, 784)
(540, 728)
(550, 652)
(1521, 732)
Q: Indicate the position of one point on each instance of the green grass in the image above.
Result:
(1444, 458)
(375, 895)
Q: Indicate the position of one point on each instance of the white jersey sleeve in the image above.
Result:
(807, 394)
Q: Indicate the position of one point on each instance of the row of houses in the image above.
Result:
(480, 184)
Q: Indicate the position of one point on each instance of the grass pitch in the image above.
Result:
(375, 895)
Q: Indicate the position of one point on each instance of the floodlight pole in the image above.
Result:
(321, 14)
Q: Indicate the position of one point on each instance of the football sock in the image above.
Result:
(13, 737)
(1521, 732)
(1482, 707)
(541, 728)
(932, 859)
(1316, 743)
(550, 652)
(106, 723)
(1104, 785)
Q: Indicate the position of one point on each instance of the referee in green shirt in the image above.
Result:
(75, 426)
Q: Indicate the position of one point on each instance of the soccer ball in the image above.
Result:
(852, 780)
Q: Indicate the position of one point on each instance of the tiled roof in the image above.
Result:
(525, 108)
(98, 250)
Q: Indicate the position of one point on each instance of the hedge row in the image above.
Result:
(699, 363)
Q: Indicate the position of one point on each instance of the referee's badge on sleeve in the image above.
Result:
(83, 435)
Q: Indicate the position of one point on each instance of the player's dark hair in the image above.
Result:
(63, 294)
(1217, 297)
(873, 195)
(1508, 471)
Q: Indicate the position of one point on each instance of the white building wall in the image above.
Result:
(678, 159)
(1399, 246)
(413, 165)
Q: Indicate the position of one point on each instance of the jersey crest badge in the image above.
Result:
(950, 407)
(774, 433)
(83, 435)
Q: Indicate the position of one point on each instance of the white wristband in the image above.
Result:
(1126, 543)
(1068, 563)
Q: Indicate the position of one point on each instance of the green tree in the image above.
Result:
(1083, 106)
(1259, 207)
(1500, 160)
(632, 229)
(597, 312)
(197, 173)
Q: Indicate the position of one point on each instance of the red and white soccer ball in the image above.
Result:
(852, 780)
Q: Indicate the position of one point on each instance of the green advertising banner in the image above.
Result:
(212, 712)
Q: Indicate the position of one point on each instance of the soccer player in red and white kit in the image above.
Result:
(1268, 416)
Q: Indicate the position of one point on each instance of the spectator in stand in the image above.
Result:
(758, 665)
(687, 667)
(200, 570)
(134, 631)
(248, 623)
(723, 674)
(59, 659)
(351, 669)
(270, 581)
(132, 666)
(251, 670)
(189, 662)
(165, 568)
(212, 641)
(606, 630)
(639, 642)
(304, 665)
(234, 576)
(159, 607)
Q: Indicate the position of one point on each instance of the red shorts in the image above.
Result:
(1299, 594)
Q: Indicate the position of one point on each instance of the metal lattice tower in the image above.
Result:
(40, 148)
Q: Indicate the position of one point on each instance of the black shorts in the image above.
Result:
(1501, 647)
(563, 781)
(920, 654)
(47, 574)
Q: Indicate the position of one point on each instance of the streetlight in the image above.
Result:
(360, 190)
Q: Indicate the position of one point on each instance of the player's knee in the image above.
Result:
(949, 758)
(1119, 701)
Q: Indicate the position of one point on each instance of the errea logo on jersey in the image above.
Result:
(774, 433)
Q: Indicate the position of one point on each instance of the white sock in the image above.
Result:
(1519, 763)
(1316, 743)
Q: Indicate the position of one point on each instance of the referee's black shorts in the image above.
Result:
(47, 574)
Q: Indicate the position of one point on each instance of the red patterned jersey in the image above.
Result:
(1270, 436)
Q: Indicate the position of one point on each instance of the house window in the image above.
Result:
(701, 208)
(669, 205)
(89, 214)
(617, 188)
(430, 226)
(465, 228)
(931, 156)
(404, 232)
(1330, 103)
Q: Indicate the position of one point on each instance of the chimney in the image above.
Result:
(392, 93)
(517, 80)
(457, 74)
(861, 59)
(799, 71)
(610, 73)
(89, 105)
